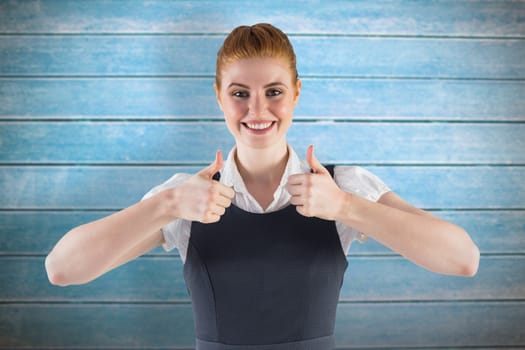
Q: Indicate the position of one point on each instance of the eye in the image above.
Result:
(273, 92)
(240, 94)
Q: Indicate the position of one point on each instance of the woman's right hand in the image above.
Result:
(92, 249)
(201, 198)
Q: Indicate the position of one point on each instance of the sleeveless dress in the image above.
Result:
(264, 281)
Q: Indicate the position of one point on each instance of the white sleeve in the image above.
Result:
(363, 183)
(176, 233)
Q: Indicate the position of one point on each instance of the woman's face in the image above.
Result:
(258, 96)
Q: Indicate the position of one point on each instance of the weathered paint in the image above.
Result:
(104, 97)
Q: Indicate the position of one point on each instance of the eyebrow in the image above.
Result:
(265, 86)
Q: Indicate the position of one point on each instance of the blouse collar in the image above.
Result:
(230, 175)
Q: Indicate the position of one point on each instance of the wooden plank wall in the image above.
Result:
(99, 101)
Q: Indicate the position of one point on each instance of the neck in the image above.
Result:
(263, 166)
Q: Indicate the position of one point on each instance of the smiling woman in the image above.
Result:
(263, 234)
(259, 110)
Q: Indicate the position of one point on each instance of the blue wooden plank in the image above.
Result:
(390, 279)
(317, 56)
(76, 187)
(115, 98)
(35, 233)
(105, 326)
(370, 279)
(349, 142)
(408, 325)
(476, 18)
(401, 325)
(457, 187)
(352, 53)
(147, 279)
(108, 55)
(194, 98)
(435, 58)
(32, 233)
(412, 99)
(73, 187)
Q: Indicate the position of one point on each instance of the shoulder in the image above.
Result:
(172, 182)
(360, 181)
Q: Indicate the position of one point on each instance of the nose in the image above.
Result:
(257, 106)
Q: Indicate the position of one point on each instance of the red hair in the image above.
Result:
(259, 40)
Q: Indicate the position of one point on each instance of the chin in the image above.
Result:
(256, 145)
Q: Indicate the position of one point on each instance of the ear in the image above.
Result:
(217, 95)
(298, 86)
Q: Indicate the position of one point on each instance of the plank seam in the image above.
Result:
(484, 347)
(220, 120)
(82, 210)
(423, 347)
(289, 34)
(208, 76)
(102, 209)
(97, 348)
(353, 256)
(121, 302)
(201, 164)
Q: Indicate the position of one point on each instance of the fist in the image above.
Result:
(201, 198)
(315, 194)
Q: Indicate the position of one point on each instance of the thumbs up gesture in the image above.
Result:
(315, 194)
(201, 198)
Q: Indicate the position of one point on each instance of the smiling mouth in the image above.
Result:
(258, 126)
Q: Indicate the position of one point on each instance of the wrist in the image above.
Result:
(343, 212)
(351, 213)
(167, 205)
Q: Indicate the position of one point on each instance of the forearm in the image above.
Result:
(430, 242)
(89, 250)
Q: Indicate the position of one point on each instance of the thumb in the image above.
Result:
(316, 167)
(214, 167)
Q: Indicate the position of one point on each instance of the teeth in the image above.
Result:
(258, 126)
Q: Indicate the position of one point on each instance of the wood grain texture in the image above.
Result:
(429, 324)
(317, 56)
(167, 142)
(370, 279)
(99, 101)
(72, 187)
(35, 232)
(359, 325)
(446, 18)
(151, 98)
(122, 326)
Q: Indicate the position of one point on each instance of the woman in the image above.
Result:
(266, 271)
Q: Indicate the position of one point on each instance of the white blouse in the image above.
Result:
(351, 179)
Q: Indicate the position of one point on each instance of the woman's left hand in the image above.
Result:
(315, 194)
